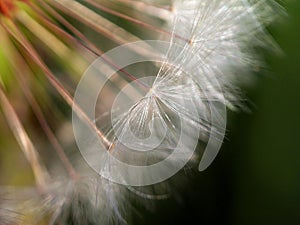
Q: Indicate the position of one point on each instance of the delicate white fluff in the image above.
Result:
(211, 51)
(222, 34)
(87, 200)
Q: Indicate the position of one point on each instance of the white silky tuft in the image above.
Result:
(211, 50)
(216, 40)
(223, 35)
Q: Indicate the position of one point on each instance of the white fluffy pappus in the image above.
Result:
(211, 51)
(216, 39)
(223, 35)
(85, 200)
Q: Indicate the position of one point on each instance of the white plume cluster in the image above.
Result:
(223, 35)
(87, 200)
(211, 49)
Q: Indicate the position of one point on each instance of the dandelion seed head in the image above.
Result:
(210, 51)
(222, 34)
(213, 40)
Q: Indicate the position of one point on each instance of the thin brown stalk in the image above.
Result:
(21, 39)
(19, 71)
(95, 21)
(128, 18)
(86, 42)
(145, 6)
(102, 25)
(40, 173)
(162, 12)
(54, 43)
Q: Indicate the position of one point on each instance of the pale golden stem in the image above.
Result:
(19, 37)
(102, 25)
(162, 12)
(53, 43)
(62, 20)
(87, 44)
(40, 173)
(21, 69)
(131, 19)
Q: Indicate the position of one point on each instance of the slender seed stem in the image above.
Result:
(21, 69)
(39, 170)
(133, 20)
(19, 37)
(41, 118)
(86, 42)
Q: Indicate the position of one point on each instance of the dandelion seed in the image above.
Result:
(53, 42)
(27, 146)
(221, 34)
